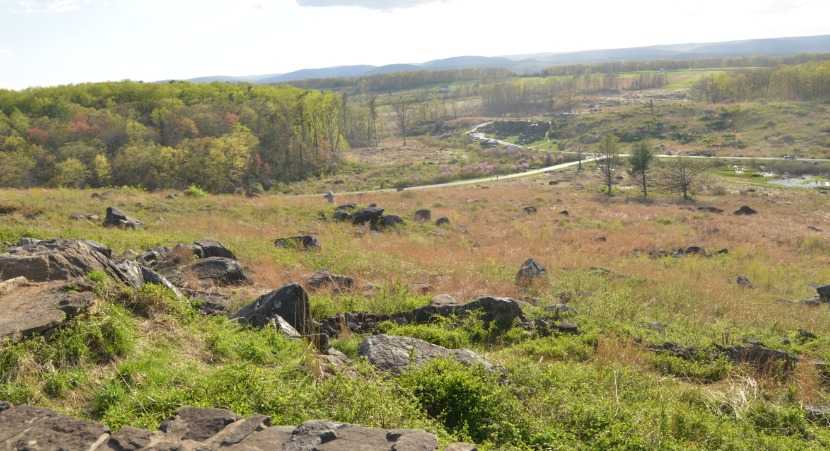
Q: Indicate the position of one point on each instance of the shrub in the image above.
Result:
(469, 402)
(195, 191)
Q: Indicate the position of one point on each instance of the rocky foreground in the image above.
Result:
(31, 428)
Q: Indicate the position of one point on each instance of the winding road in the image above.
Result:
(477, 135)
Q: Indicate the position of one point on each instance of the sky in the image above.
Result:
(49, 42)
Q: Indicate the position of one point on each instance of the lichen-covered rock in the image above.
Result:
(31, 309)
(397, 354)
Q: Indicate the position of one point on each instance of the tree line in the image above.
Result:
(800, 82)
(403, 81)
(221, 137)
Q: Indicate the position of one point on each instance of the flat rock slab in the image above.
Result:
(29, 428)
(397, 354)
(32, 309)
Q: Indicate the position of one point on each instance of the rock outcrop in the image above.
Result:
(117, 218)
(30, 309)
(30, 428)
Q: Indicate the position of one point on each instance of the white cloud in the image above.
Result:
(49, 6)
(369, 4)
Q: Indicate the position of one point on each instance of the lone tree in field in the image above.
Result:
(682, 175)
(640, 160)
(401, 107)
(609, 160)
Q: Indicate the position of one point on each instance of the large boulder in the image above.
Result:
(423, 215)
(824, 293)
(30, 309)
(397, 354)
(117, 218)
(29, 428)
(289, 302)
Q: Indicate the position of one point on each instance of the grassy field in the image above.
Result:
(601, 389)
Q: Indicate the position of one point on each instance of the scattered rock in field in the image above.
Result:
(443, 300)
(423, 215)
(7, 210)
(30, 309)
(824, 293)
(117, 218)
(745, 211)
(682, 252)
(560, 310)
(370, 215)
(302, 242)
(565, 213)
(329, 196)
(677, 350)
(347, 207)
(529, 272)
(761, 357)
(211, 248)
(818, 414)
(220, 271)
(601, 239)
(342, 216)
(504, 312)
(397, 354)
(530, 210)
(326, 279)
(290, 302)
(714, 210)
(32, 428)
(443, 221)
(391, 221)
(743, 281)
(813, 229)
(209, 303)
(655, 326)
(421, 288)
(84, 217)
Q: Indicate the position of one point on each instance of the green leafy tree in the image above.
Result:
(71, 173)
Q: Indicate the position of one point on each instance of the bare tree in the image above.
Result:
(372, 131)
(608, 161)
(682, 175)
(402, 105)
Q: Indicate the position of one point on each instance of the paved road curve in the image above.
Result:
(481, 137)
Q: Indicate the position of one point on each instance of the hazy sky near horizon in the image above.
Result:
(48, 42)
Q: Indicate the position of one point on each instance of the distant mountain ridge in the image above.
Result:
(535, 62)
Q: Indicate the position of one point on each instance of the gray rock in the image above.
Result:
(198, 424)
(302, 242)
(443, 221)
(30, 428)
(211, 248)
(391, 221)
(818, 414)
(743, 282)
(824, 293)
(289, 302)
(745, 211)
(220, 271)
(530, 210)
(423, 215)
(38, 308)
(326, 279)
(397, 354)
(530, 271)
(117, 218)
(370, 215)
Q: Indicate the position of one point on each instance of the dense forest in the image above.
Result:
(221, 137)
(809, 81)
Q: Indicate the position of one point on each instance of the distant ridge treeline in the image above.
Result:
(221, 137)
